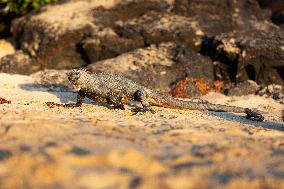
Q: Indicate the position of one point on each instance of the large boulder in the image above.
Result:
(55, 35)
(189, 21)
(158, 66)
(241, 55)
(18, 63)
(238, 36)
(277, 8)
(249, 9)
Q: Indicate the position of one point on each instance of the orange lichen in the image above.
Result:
(178, 90)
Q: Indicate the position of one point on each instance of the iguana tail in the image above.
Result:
(167, 101)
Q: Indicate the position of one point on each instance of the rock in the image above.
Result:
(19, 62)
(191, 87)
(188, 24)
(165, 64)
(155, 28)
(278, 18)
(238, 36)
(108, 44)
(274, 5)
(249, 9)
(219, 16)
(58, 36)
(54, 80)
(277, 8)
(51, 77)
(255, 55)
(191, 91)
(274, 91)
(244, 88)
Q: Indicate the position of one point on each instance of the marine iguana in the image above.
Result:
(116, 89)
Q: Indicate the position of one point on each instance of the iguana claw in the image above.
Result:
(253, 115)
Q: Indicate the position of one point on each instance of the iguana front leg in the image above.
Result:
(141, 97)
(116, 102)
(80, 98)
(253, 115)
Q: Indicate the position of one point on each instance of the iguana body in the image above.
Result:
(117, 89)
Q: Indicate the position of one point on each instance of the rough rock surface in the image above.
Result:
(54, 33)
(158, 66)
(278, 18)
(277, 8)
(189, 21)
(274, 91)
(19, 62)
(76, 33)
(243, 55)
(96, 147)
(243, 88)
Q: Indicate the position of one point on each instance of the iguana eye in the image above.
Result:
(75, 72)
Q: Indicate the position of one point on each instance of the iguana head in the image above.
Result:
(78, 77)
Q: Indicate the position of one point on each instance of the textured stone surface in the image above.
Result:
(96, 147)
(274, 91)
(241, 55)
(244, 88)
(18, 62)
(234, 34)
(53, 35)
(277, 9)
(158, 66)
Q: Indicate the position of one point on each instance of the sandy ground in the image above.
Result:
(96, 147)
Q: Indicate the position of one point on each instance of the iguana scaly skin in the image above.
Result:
(116, 89)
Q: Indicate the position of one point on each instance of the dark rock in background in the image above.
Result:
(278, 18)
(158, 66)
(156, 28)
(189, 21)
(277, 8)
(19, 63)
(54, 34)
(53, 80)
(241, 55)
(243, 88)
(155, 42)
(108, 44)
(249, 9)
(274, 91)
(191, 91)
(225, 15)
